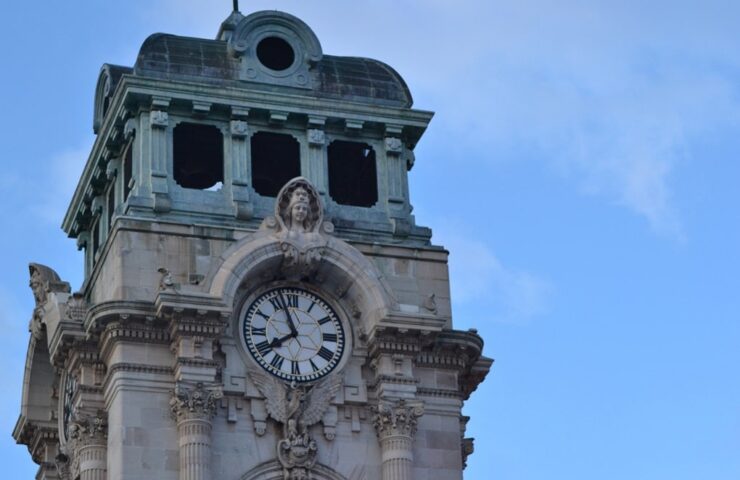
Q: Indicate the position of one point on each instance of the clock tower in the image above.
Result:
(258, 302)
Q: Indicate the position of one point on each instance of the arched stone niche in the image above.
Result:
(342, 272)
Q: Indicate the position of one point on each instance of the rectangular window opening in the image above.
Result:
(352, 173)
(198, 156)
(276, 158)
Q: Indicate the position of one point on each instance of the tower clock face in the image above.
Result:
(69, 383)
(293, 334)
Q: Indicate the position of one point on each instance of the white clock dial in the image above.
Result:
(293, 334)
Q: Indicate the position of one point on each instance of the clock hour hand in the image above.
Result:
(276, 342)
(291, 325)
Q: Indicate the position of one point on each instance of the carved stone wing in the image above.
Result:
(275, 395)
(318, 399)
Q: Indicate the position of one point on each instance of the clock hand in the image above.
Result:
(276, 342)
(291, 325)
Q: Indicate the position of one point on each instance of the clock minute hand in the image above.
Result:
(291, 325)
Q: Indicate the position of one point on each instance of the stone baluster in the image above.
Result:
(193, 408)
(395, 424)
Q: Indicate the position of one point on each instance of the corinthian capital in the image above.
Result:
(88, 428)
(194, 402)
(397, 418)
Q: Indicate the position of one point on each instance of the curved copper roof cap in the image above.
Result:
(238, 62)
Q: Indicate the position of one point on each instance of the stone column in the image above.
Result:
(88, 435)
(395, 424)
(193, 408)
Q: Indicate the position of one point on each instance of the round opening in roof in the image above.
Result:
(275, 53)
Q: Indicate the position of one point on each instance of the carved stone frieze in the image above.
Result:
(196, 401)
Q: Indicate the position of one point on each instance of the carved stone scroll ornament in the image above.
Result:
(299, 226)
(296, 408)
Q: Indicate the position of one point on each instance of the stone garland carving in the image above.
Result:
(296, 408)
(197, 402)
(299, 226)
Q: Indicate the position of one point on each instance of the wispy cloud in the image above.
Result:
(478, 276)
(611, 96)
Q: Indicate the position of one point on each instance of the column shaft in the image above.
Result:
(195, 448)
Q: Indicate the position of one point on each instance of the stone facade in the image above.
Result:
(148, 371)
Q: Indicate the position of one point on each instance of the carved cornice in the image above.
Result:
(194, 402)
(197, 323)
(396, 418)
(473, 377)
(42, 436)
(131, 330)
(438, 392)
(396, 341)
(119, 311)
(398, 380)
(138, 368)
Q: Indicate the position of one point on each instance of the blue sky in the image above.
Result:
(582, 168)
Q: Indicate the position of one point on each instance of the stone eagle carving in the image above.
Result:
(297, 408)
(304, 404)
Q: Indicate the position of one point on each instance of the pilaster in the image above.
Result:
(88, 446)
(395, 424)
(193, 407)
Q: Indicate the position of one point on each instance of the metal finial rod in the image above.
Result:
(236, 5)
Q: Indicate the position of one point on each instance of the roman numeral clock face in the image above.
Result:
(293, 334)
